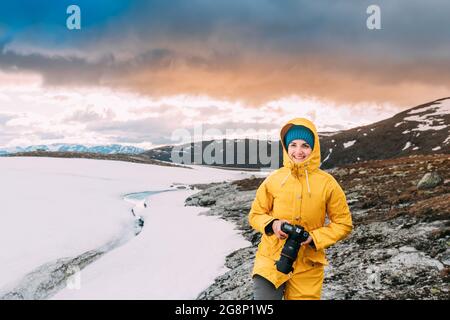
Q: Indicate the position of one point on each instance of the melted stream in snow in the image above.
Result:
(49, 278)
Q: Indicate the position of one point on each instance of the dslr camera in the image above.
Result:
(296, 235)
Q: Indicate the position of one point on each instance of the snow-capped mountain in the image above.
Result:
(102, 149)
(423, 129)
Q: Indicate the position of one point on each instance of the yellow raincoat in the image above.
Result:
(302, 194)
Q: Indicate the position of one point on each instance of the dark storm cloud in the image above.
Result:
(255, 49)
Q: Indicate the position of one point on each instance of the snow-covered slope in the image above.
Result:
(423, 129)
(53, 208)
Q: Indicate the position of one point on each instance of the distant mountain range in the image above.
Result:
(423, 129)
(61, 147)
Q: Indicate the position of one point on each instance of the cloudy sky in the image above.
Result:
(138, 70)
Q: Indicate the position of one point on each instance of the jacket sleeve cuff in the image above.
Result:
(315, 242)
(268, 228)
(312, 244)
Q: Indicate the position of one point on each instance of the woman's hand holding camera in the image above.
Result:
(308, 241)
(276, 227)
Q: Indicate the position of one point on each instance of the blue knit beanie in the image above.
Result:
(299, 132)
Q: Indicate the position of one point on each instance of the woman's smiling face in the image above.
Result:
(299, 150)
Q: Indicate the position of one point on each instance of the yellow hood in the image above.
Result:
(311, 163)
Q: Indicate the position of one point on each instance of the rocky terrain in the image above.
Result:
(399, 248)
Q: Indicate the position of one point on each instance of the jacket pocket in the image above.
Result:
(312, 257)
(271, 246)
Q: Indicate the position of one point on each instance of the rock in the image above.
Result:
(190, 201)
(339, 172)
(429, 180)
(399, 174)
(407, 249)
(206, 202)
(416, 259)
(434, 290)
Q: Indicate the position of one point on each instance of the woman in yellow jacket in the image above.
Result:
(301, 194)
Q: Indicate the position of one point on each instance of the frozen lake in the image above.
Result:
(54, 210)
